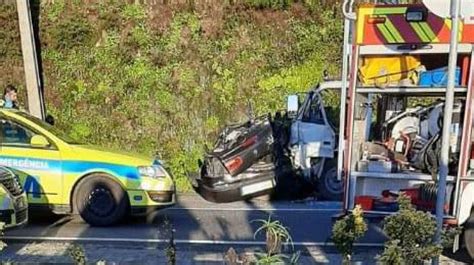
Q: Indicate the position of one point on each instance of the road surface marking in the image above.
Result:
(257, 209)
(177, 241)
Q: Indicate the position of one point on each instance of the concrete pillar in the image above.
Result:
(30, 60)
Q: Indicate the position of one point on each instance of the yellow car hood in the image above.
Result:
(97, 154)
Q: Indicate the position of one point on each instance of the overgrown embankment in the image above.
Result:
(163, 78)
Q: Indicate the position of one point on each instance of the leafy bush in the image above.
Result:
(347, 231)
(410, 236)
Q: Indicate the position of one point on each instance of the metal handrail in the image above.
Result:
(347, 9)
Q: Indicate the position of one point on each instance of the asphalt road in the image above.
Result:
(198, 221)
(204, 226)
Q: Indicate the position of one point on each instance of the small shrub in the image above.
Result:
(275, 233)
(410, 234)
(347, 231)
(392, 253)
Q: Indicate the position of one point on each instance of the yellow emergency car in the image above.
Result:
(66, 176)
(13, 202)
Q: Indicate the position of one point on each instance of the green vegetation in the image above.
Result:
(347, 231)
(410, 236)
(163, 78)
(269, 259)
(2, 244)
(275, 232)
(77, 254)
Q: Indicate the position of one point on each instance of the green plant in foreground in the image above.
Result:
(270, 259)
(294, 258)
(448, 235)
(276, 234)
(77, 254)
(347, 231)
(410, 234)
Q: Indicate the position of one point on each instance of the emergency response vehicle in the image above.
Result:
(398, 59)
(66, 176)
(13, 201)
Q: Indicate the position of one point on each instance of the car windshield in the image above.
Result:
(58, 133)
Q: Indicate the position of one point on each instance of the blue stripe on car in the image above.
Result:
(67, 166)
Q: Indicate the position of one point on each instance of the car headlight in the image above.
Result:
(152, 171)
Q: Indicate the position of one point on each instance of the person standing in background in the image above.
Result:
(10, 98)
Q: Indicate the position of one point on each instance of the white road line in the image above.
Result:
(177, 241)
(256, 209)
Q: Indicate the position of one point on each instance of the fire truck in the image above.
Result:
(408, 85)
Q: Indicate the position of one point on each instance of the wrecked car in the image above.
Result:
(289, 153)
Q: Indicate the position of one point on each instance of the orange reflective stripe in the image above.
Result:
(461, 27)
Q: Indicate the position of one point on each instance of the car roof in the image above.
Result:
(11, 110)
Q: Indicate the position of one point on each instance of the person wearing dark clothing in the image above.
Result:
(10, 98)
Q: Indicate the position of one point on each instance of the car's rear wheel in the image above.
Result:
(100, 201)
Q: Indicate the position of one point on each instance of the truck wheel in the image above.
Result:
(469, 235)
(100, 201)
(329, 187)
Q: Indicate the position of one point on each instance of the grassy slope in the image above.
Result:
(164, 78)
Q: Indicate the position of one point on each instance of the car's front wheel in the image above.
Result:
(100, 201)
(330, 188)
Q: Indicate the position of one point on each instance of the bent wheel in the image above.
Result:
(100, 201)
(329, 187)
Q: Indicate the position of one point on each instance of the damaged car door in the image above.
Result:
(313, 144)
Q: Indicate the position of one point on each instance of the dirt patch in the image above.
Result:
(276, 19)
(160, 17)
(12, 73)
(212, 19)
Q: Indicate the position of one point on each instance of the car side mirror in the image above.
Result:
(39, 141)
(49, 119)
(292, 105)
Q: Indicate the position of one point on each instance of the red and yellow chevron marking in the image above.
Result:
(387, 25)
